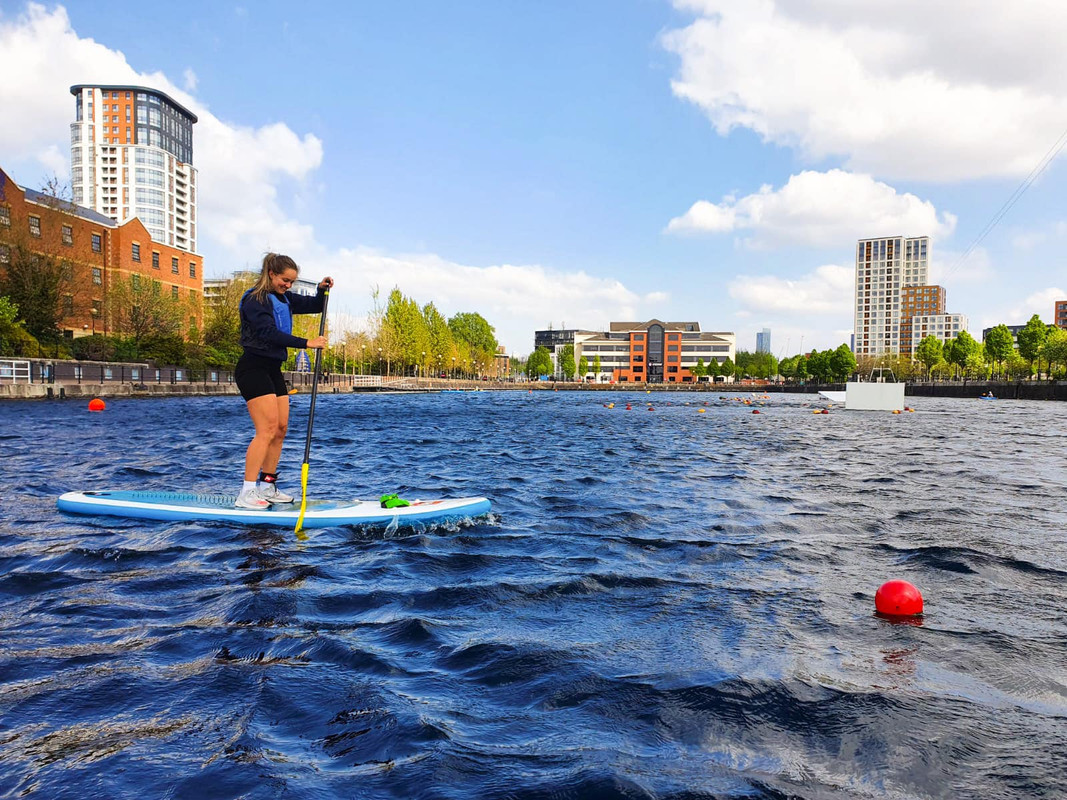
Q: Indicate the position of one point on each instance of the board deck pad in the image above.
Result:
(220, 507)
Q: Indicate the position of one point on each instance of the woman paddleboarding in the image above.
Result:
(266, 335)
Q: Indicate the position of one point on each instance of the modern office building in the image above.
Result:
(763, 341)
(1059, 314)
(884, 266)
(942, 326)
(652, 351)
(131, 155)
(98, 255)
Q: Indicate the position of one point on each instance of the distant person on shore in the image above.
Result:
(266, 335)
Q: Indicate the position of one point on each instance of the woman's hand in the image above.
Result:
(318, 343)
(326, 283)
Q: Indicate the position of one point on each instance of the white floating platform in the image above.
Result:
(874, 396)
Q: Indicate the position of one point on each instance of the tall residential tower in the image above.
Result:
(131, 155)
(883, 267)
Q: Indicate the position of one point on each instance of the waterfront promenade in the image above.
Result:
(60, 379)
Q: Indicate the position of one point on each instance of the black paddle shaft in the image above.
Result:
(315, 379)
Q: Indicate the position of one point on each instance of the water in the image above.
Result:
(664, 604)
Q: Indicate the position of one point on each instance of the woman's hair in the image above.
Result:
(273, 264)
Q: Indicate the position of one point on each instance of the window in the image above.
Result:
(192, 269)
(96, 242)
(155, 260)
(5, 215)
(174, 265)
(174, 292)
(98, 278)
(136, 251)
(68, 235)
(35, 226)
(135, 280)
(5, 254)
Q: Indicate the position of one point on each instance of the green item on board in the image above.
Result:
(392, 501)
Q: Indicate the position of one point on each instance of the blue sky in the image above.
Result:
(551, 163)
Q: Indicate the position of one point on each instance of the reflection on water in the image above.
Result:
(670, 604)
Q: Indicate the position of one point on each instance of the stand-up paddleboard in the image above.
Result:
(319, 514)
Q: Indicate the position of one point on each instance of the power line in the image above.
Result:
(1041, 166)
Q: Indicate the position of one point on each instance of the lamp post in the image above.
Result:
(94, 313)
(453, 367)
(363, 358)
(423, 364)
(380, 361)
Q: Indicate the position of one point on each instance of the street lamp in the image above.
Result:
(453, 367)
(380, 361)
(363, 358)
(423, 361)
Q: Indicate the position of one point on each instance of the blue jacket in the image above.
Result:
(267, 327)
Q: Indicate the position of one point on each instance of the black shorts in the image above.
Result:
(257, 376)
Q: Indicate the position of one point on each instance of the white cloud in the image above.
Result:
(818, 209)
(243, 174)
(939, 91)
(189, 80)
(1041, 302)
(826, 290)
(515, 299)
(947, 270)
(241, 169)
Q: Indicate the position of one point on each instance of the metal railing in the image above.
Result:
(14, 371)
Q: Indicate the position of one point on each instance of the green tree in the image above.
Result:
(726, 367)
(442, 344)
(539, 363)
(999, 346)
(35, 283)
(819, 365)
(583, 367)
(959, 351)
(712, 368)
(596, 367)
(842, 363)
(1031, 338)
(1054, 350)
(565, 359)
(139, 308)
(929, 352)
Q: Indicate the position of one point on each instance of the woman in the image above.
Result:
(266, 334)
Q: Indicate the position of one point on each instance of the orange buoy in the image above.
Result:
(896, 410)
(700, 410)
(898, 599)
(96, 404)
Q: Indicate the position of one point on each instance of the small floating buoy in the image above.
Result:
(629, 407)
(896, 410)
(700, 410)
(650, 408)
(898, 599)
(96, 404)
(755, 411)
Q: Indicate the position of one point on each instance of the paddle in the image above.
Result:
(311, 422)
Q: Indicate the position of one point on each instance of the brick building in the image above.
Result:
(96, 253)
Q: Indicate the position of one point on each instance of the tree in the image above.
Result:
(999, 346)
(712, 368)
(35, 283)
(1031, 338)
(1054, 350)
(963, 348)
(726, 367)
(596, 368)
(442, 345)
(819, 365)
(138, 308)
(539, 363)
(222, 323)
(583, 367)
(929, 352)
(698, 369)
(842, 363)
(565, 359)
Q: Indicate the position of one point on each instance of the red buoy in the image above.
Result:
(898, 599)
(755, 411)
(96, 404)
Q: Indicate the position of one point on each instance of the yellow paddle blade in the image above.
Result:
(303, 500)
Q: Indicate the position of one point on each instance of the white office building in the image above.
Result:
(131, 155)
(883, 267)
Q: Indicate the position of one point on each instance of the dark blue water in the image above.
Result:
(664, 604)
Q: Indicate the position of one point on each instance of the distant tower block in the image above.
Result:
(131, 155)
(763, 341)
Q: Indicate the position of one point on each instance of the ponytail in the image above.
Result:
(273, 264)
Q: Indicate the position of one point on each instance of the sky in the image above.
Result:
(569, 164)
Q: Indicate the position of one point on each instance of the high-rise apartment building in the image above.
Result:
(763, 341)
(1059, 314)
(885, 266)
(131, 155)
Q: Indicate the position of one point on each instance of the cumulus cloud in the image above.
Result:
(516, 299)
(944, 91)
(825, 290)
(1041, 302)
(818, 209)
(240, 168)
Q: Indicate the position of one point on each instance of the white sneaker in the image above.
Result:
(270, 493)
(252, 500)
